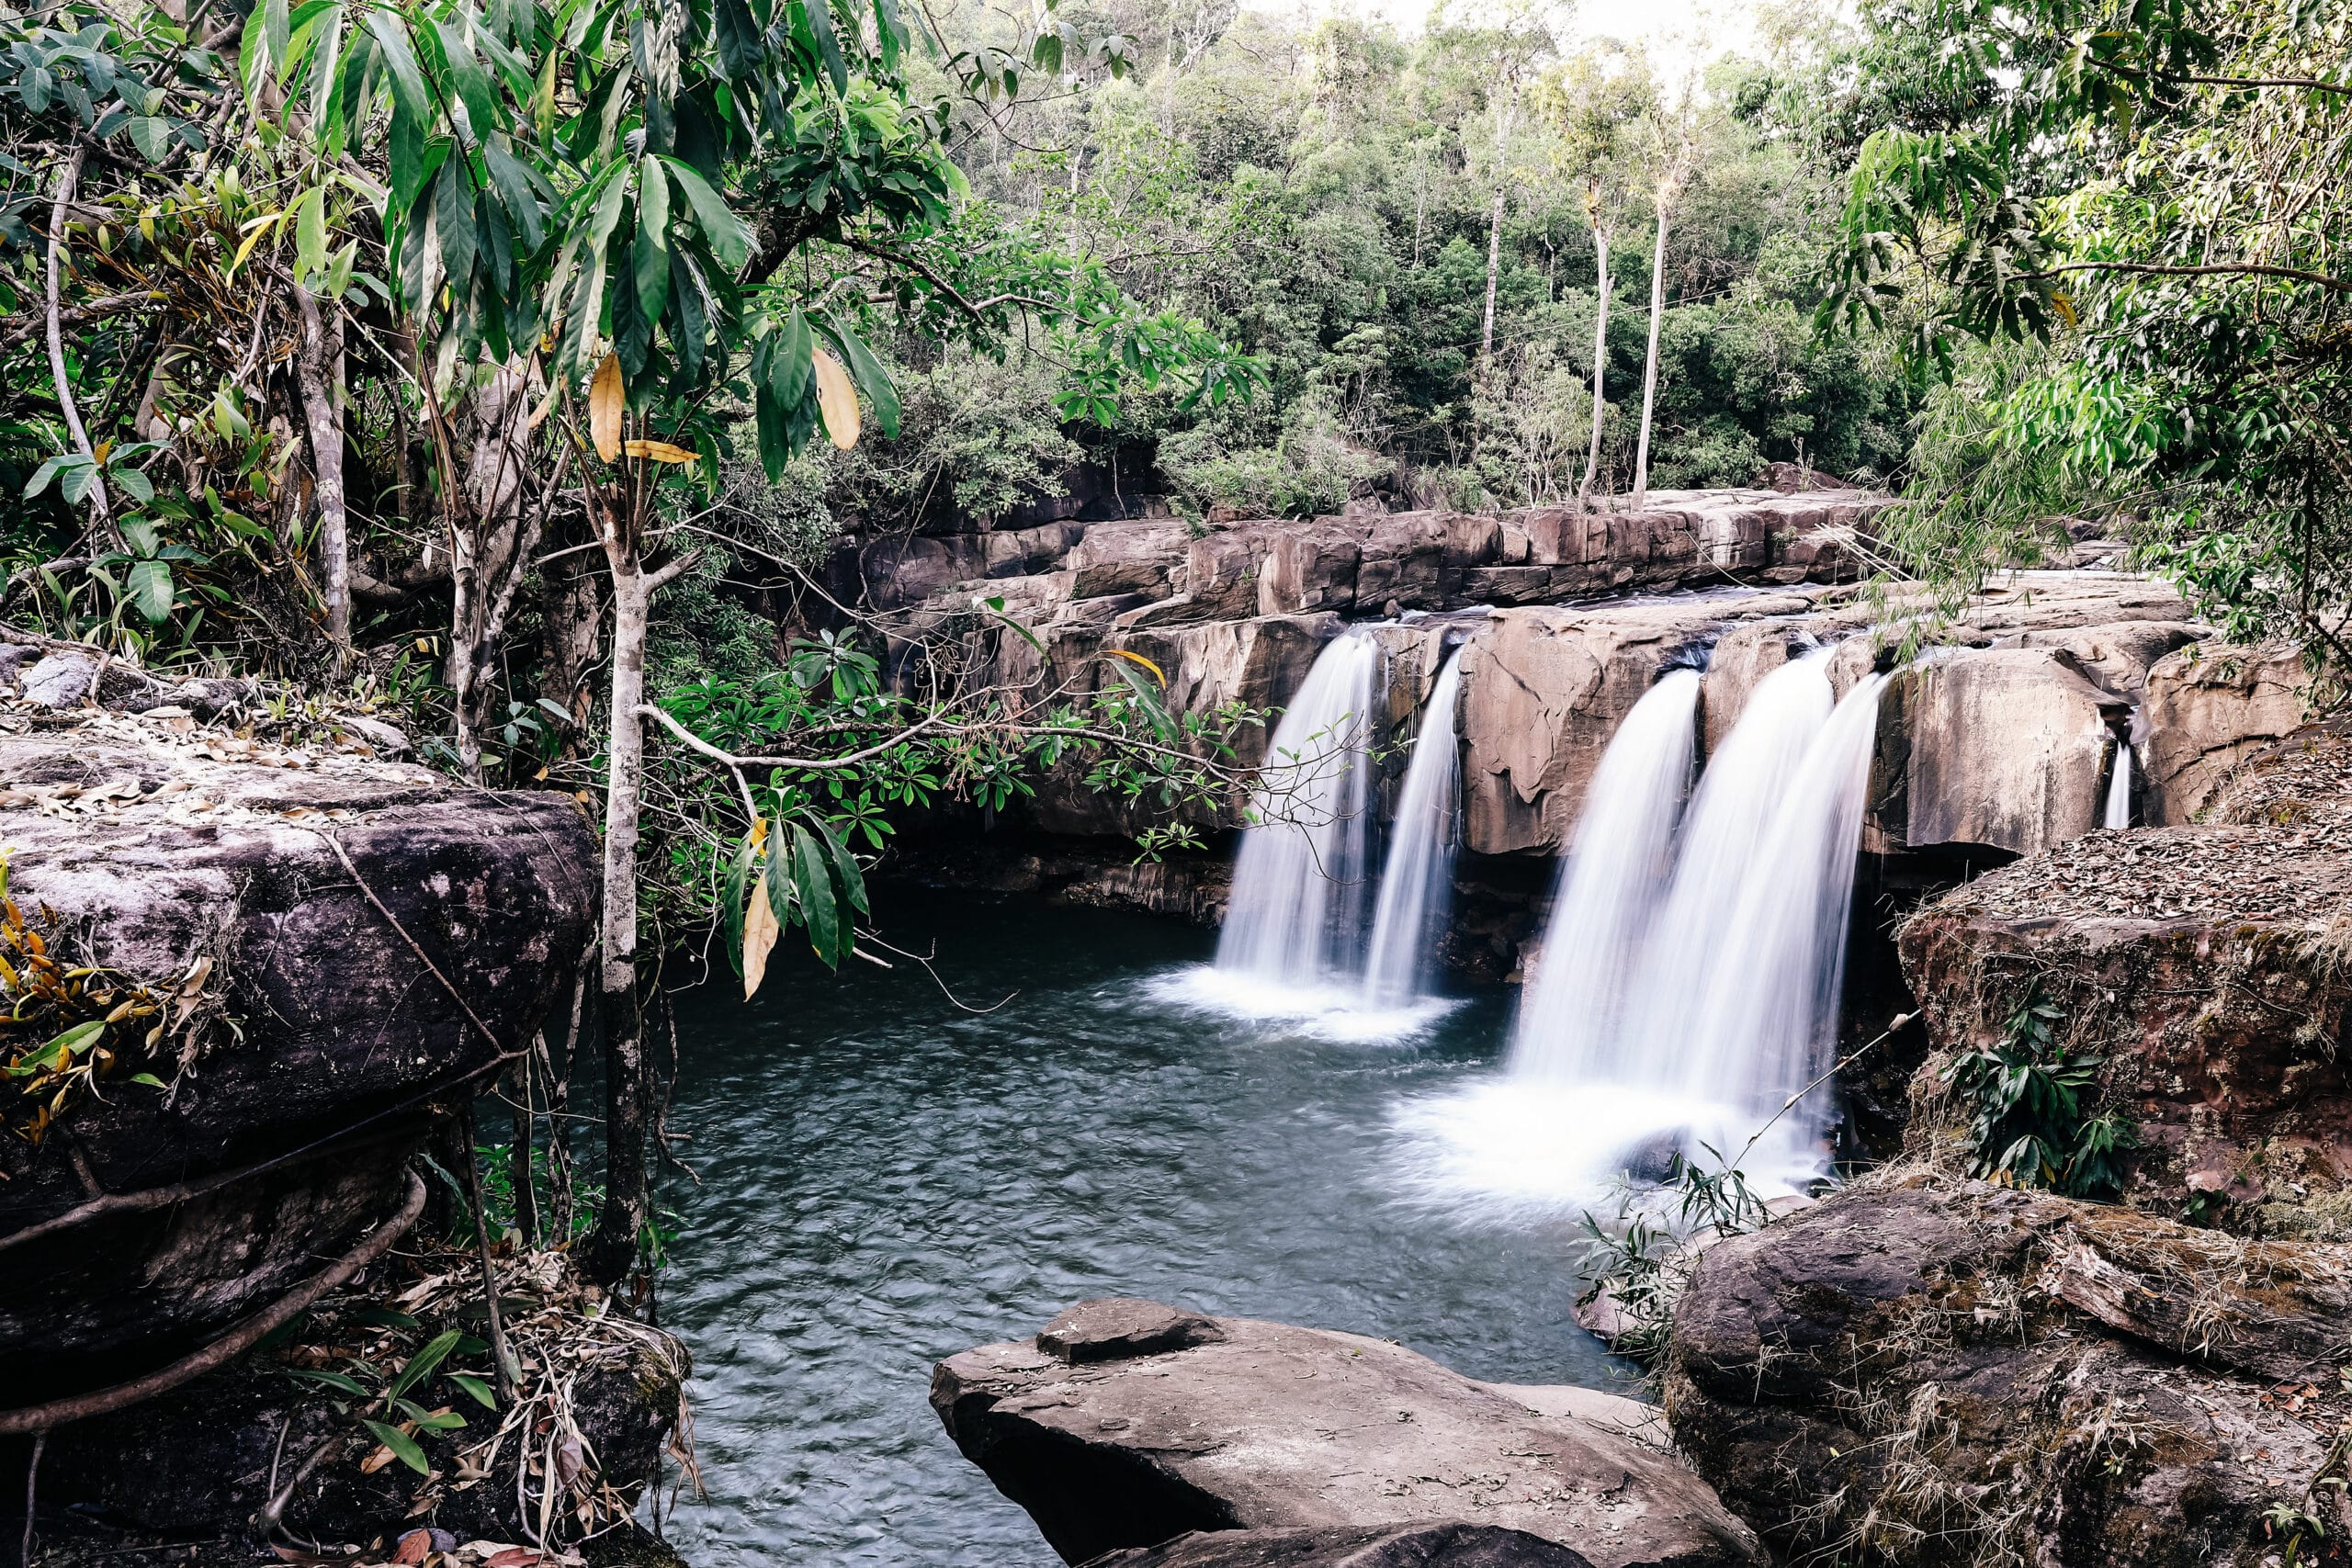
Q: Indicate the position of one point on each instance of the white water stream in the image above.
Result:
(1417, 883)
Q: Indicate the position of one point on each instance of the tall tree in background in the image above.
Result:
(1672, 126)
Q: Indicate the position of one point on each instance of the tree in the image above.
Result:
(1592, 105)
(1674, 136)
(2111, 233)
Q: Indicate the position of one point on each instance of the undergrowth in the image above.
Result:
(2031, 1124)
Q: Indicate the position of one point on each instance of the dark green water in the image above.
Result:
(885, 1180)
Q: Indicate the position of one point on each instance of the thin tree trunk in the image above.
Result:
(622, 1223)
(519, 1157)
(491, 545)
(559, 1074)
(1649, 371)
(101, 512)
(323, 411)
(1495, 235)
(1600, 369)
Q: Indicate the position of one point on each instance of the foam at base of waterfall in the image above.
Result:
(1337, 1012)
(1506, 1145)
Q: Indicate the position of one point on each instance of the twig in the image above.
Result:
(100, 511)
(1892, 1029)
(499, 1356)
(32, 1481)
(393, 921)
(925, 961)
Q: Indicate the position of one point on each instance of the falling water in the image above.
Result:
(1419, 877)
(1731, 1013)
(2119, 784)
(1297, 915)
(1765, 1031)
(1724, 834)
(1609, 885)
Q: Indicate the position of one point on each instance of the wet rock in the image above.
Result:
(1276, 1428)
(2201, 966)
(220, 877)
(1410, 1546)
(2003, 749)
(1923, 1370)
(1113, 1329)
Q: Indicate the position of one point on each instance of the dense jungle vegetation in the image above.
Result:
(514, 363)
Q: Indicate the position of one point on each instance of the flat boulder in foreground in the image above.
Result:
(1448, 1545)
(1244, 1425)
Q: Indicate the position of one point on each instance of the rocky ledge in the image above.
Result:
(1125, 1424)
(1925, 1370)
(2204, 968)
(337, 940)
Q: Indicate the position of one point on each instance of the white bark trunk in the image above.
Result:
(322, 413)
(1599, 367)
(1649, 371)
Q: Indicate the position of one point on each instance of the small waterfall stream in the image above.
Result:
(1609, 885)
(2118, 813)
(1297, 915)
(1417, 883)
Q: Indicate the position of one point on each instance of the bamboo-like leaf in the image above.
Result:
(730, 241)
(812, 880)
(607, 401)
(421, 1365)
(649, 255)
(739, 878)
(836, 399)
(760, 932)
(479, 1390)
(1157, 673)
(846, 867)
(403, 1447)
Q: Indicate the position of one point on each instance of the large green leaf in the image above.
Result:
(812, 880)
(820, 14)
(729, 239)
(421, 1365)
(650, 264)
(865, 370)
(401, 1444)
(741, 50)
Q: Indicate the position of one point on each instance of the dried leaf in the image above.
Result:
(659, 451)
(606, 399)
(759, 937)
(836, 400)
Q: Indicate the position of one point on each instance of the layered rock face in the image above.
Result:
(2203, 966)
(303, 906)
(1923, 1370)
(1126, 1423)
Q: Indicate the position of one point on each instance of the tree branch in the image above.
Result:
(100, 511)
(2221, 270)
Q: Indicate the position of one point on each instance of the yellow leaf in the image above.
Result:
(606, 398)
(1157, 673)
(659, 451)
(2065, 307)
(759, 937)
(837, 400)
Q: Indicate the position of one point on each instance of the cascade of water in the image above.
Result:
(1417, 879)
(2119, 784)
(1297, 915)
(1767, 1023)
(1725, 832)
(1609, 888)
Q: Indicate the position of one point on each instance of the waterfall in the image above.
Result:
(1680, 1014)
(2119, 783)
(1766, 1025)
(1417, 883)
(1297, 915)
(1726, 830)
(1609, 884)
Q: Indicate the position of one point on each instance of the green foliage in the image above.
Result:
(2031, 1123)
(2102, 179)
(1641, 1257)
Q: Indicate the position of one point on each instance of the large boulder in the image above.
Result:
(2202, 967)
(1451, 1545)
(1923, 1370)
(2210, 709)
(343, 942)
(1125, 1424)
(2004, 749)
